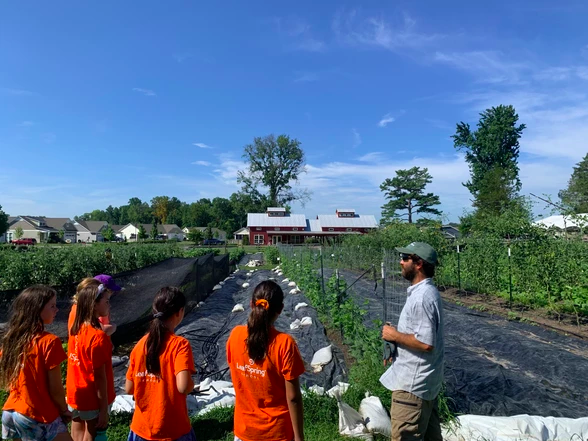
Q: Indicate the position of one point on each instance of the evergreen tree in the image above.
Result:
(575, 196)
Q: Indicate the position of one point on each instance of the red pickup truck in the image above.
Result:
(24, 241)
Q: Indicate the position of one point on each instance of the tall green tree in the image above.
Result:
(208, 233)
(493, 148)
(153, 232)
(3, 222)
(138, 212)
(274, 163)
(195, 235)
(575, 197)
(18, 232)
(406, 192)
(141, 232)
(108, 234)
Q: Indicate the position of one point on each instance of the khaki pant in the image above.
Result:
(414, 419)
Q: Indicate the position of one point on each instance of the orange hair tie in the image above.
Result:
(263, 303)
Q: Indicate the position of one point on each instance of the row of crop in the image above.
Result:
(539, 269)
(60, 266)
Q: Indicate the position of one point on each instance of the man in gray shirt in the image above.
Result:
(416, 375)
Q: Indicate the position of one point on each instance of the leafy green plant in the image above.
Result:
(271, 254)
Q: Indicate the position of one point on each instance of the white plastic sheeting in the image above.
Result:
(519, 428)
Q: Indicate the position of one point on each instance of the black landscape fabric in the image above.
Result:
(498, 367)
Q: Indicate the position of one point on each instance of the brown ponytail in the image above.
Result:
(266, 302)
(168, 301)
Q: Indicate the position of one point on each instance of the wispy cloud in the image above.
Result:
(202, 145)
(372, 157)
(386, 119)
(203, 163)
(350, 28)
(26, 124)
(146, 92)
(16, 92)
(298, 34)
(487, 66)
(306, 77)
(356, 138)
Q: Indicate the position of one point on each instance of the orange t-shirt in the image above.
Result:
(29, 395)
(261, 408)
(161, 412)
(72, 317)
(88, 350)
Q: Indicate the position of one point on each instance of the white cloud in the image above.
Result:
(203, 163)
(202, 145)
(488, 66)
(356, 138)
(372, 157)
(16, 92)
(377, 32)
(26, 124)
(306, 77)
(298, 34)
(146, 92)
(386, 119)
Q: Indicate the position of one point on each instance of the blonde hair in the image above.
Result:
(87, 295)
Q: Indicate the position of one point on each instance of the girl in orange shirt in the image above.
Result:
(265, 365)
(90, 379)
(30, 369)
(159, 375)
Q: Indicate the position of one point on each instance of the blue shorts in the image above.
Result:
(16, 425)
(190, 436)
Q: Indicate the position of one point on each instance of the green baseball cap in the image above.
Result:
(421, 249)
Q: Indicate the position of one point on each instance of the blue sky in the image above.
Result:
(103, 101)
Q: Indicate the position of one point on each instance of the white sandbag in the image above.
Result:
(519, 427)
(351, 423)
(217, 287)
(285, 280)
(306, 321)
(375, 416)
(338, 390)
(200, 304)
(245, 285)
(238, 308)
(123, 403)
(221, 283)
(295, 324)
(294, 291)
(292, 283)
(300, 305)
(320, 358)
(316, 389)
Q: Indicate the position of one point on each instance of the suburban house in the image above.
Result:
(276, 225)
(450, 232)
(168, 231)
(90, 231)
(41, 228)
(216, 233)
(240, 234)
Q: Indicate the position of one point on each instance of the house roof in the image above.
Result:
(313, 225)
(169, 229)
(117, 228)
(93, 226)
(450, 232)
(242, 231)
(276, 209)
(561, 222)
(263, 220)
(332, 220)
(60, 223)
(345, 210)
(32, 221)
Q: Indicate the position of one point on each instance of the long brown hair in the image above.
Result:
(261, 316)
(87, 295)
(167, 302)
(24, 325)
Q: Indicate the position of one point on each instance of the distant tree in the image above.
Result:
(575, 197)
(496, 193)
(18, 232)
(138, 212)
(61, 235)
(274, 163)
(244, 203)
(492, 149)
(197, 214)
(208, 233)
(406, 191)
(3, 222)
(153, 232)
(160, 207)
(141, 233)
(108, 234)
(195, 235)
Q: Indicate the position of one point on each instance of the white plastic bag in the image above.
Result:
(300, 305)
(338, 390)
(306, 321)
(295, 324)
(351, 423)
(375, 416)
(320, 358)
(292, 283)
(245, 285)
(123, 403)
(294, 291)
(238, 307)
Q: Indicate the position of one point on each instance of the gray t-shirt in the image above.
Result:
(420, 373)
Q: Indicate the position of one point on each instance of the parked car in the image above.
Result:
(213, 242)
(24, 241)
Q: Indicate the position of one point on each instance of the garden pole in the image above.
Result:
(458, 271)
(509, 277)
(322, 273)
(338, 300)
(384, 300)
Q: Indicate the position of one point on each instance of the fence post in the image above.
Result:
(458, 270)
(384, 300)
(338, 300)
(509, 277)
(322, 272)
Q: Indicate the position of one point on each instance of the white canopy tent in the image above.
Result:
(575, 222)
